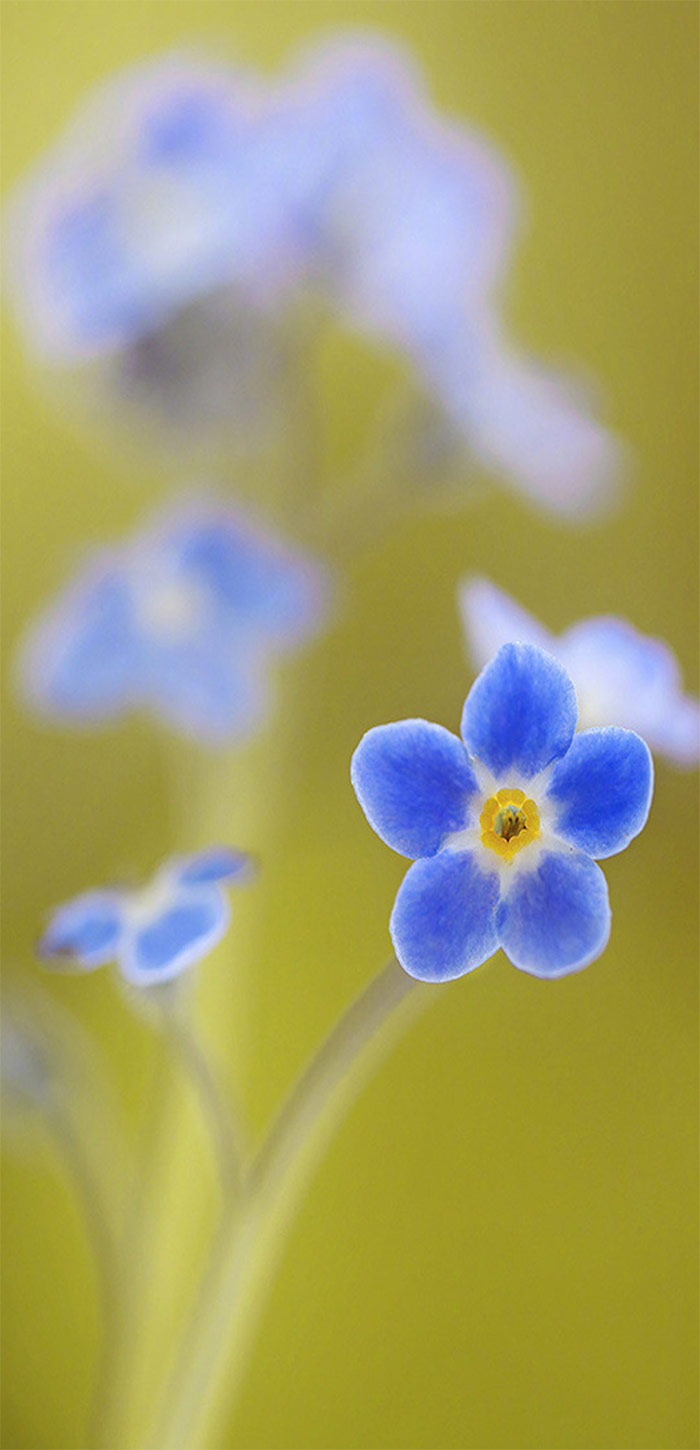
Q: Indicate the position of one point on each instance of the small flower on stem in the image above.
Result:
(182, 621)
(154, 932)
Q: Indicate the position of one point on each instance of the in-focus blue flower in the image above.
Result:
(183, 621)
(621, 677)
(155, 932)
(505, 825)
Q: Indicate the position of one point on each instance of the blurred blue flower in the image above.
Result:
(533, 426)
(415, 220)
(184, 182)
(156, 931)
(621, 677)
(182, 621)
(506, 824)
(412, 216)
(154, 196)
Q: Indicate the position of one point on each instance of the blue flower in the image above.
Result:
(155, 932)
(621, 677)
(505, 825)
(183, 621)
(156, 194)
(412, 216)
(189, 208)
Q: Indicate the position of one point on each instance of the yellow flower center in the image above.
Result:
(508, 822)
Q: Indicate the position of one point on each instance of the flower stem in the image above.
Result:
(226, 1135)
(102, 1247)
(214, 1355)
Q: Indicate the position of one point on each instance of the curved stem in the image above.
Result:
(101, 1245)
(226, 1136)
(135, 1254)
(215, 1353)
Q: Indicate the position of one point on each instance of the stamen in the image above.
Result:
(508, 822)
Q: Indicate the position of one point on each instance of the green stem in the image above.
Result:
(102, 1248)
(214, 1355)
(135, 1255)
(225, 1134)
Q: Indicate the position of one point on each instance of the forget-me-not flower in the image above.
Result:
(414, 225)
(504, 826)
(183, 621)
(153, 197)
(621, 677)
(156, 931)
(413, 216)
(187, 211)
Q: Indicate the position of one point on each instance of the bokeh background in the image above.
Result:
(500, 1246)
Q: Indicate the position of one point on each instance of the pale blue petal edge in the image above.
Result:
(216, 863)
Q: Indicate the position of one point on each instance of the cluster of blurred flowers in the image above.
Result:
(192, 211)
(177, 238)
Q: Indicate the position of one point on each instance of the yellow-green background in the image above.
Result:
(500, 1247)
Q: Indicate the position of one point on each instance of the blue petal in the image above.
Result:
(678, 734)
(626, 678)
(219, 863)
(183, 933)
(87, 929)
(264, 586)
(556, 917)
(602, 790)
(91, 276)
(443, 922)
(213, 688)
(413, 781)
(520, 714)
(81, 660)
(492, 618)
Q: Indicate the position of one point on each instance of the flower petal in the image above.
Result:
(183, 933)
(555, 918)
(86, 930)
(219, 863)
(626, 678)
(443, 922)
(491, 618)
(538, 429)
(413, 781)
(80, 659)
(213, 688)
(678, 733)
(602, 790)
(268, 588)
(520, 714)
